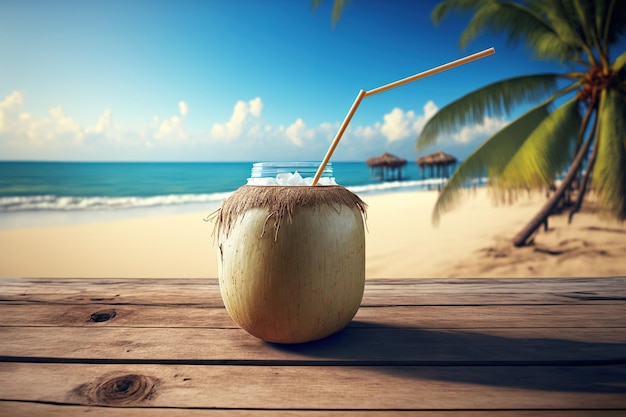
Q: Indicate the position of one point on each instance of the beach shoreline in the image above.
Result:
(472, 241)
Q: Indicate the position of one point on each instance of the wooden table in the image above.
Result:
(470, 347)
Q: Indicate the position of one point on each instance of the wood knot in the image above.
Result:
(118, 389)
(101, 316)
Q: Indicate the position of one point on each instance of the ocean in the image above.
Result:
(78, 191)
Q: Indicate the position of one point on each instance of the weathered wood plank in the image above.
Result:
(334, 388)
(475, 291)
(459, 346)
(19, 409)
(386, 345)
(527, 285)
(191, 292)
(424, 317)
(99, 315)
(205, 293)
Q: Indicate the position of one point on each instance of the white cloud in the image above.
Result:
(430, 108)
(297, 132)
(255, 106)
(13, 100)
(243, 136)
(367, 132)
(9, 111)
(57, 133)
(399, 125)
(103, 125)
(173, 128)
(63, 125)
(23, 128)
(243, 112)
(471, 133)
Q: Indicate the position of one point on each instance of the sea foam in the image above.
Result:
(59, 203)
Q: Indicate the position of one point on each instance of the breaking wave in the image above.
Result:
(70, 203)
(58, 203)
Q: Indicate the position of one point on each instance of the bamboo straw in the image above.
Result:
(389, 86)
(433, 71)
(335, 142)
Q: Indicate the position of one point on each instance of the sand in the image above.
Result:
(472, 241)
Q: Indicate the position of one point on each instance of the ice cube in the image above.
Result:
(289, 179)
(327, 181)
(296, 179)
(262, 181)
(283, 178)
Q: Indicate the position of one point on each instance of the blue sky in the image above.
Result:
(231, 80)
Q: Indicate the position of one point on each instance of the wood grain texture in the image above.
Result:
(597, 314)
(19, 409)
(387, 345)
(323, 387)
(419, 347)
(205, 292)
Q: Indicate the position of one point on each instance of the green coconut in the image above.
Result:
(291, 260)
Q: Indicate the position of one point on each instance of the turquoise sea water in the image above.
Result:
(77, 186)
(35, 193)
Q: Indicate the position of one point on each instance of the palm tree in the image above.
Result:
(586, 129)
(577, 119)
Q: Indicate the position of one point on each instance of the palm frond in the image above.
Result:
(462, 6)
(619, 62)
(495, 99)
(615, 21)
(545, 153)
(565, 22)
(602, 18)
(490, 158)
(585, 13)
(609, 173)
(520, 23)
(338, 7)
(535, 149)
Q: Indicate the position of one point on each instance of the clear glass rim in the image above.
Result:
(294, 164)
(305, 168)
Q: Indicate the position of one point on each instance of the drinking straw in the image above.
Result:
(362, 94)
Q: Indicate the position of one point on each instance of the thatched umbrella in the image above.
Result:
(439, 163)
(386, 163)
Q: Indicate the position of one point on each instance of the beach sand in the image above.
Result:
(473, 241)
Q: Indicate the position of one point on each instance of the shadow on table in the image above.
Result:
(473, 357)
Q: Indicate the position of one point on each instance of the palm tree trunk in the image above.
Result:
(585, 180)
(542, 216)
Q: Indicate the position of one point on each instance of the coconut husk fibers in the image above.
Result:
(281, 203)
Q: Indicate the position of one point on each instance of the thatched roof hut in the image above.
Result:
(437, 158)
(386, 166)
(437, 165)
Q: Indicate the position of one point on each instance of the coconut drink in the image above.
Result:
(291, 252)
(291, 258)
